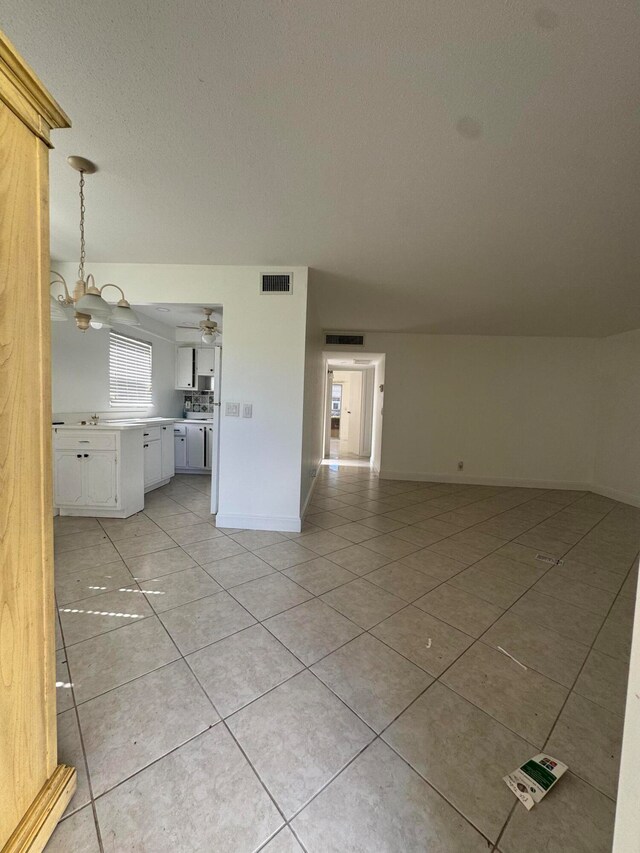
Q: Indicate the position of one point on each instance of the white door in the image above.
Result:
(354, 413)
(195, 446)
(99, 473)
(152, 462)
(214, 438)
(205, 361)
(184, 368)
(168, 456)
(68, 478)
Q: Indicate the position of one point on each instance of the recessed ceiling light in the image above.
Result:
(166, 310)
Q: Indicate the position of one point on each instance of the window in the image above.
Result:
(336, 399)
(129, 372)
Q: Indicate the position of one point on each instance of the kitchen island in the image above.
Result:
(103, 469)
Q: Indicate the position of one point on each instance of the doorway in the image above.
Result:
(353, 410)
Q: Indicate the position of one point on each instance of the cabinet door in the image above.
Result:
(68, 478)
(195, 446)
(205, 361)
(152, 462)
(99, 475)
(166, 439)
(184, 368)
(180, 449)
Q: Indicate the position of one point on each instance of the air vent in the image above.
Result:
(343, 339)
(276, 283)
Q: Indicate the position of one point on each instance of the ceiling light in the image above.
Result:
(208, 327)
(91, 310)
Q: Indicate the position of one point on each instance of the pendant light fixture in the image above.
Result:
(91, 310)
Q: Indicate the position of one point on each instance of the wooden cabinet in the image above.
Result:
(168, 452)
(205, 361)
(34, 788)
(185, 369)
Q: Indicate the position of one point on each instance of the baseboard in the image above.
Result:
(41, 818)
(617, 495)
(485, 481)
(307, 501)
(290, 524)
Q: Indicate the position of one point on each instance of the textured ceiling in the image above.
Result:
(451, 167)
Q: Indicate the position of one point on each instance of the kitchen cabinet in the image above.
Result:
(205, 361)
(68, 480)
(209, 446)
(152, 462)
(168, 454)
(180, 450)
(100, 481)
(86, 479)
(185, 368)
(102, 472)
(195, 446)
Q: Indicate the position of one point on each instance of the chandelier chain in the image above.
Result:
(82, 242)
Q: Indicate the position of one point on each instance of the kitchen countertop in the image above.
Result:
(115, 424)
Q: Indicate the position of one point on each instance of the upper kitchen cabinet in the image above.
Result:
(205, 361)
(185, 369)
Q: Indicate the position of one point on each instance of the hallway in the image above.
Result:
(363, 685)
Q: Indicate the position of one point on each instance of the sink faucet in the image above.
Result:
(94, 419)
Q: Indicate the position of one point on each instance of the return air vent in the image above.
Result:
(276, 283)
(343, 339)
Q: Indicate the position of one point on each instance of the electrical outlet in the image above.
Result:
(460, 465)
(232, 410)
(247, 410)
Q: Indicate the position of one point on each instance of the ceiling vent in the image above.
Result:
(276, 282)
(343, 339)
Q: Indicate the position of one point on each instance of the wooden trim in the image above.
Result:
(39, 822)
(24, 94)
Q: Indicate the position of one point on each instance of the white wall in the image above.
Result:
(80, 370)
(263, 363)
(313, 409)
(515, 410)
(617, 454)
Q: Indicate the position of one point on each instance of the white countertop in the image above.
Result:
(115, 424)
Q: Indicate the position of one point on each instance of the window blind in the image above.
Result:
(129, 372)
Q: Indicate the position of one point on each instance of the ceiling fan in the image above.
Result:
(208, 327)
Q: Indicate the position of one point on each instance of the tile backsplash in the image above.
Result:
(198, 401)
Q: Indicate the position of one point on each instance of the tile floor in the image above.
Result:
(345, 688)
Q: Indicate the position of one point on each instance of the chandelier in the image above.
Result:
(91, 310)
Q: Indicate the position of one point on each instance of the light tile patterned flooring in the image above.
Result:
(345, 688)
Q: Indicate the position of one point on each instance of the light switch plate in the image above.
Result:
(247, 410)
(232, 410)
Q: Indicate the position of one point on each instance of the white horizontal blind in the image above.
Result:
(129, 372)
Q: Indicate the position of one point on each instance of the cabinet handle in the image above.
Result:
(145, 445)
(84, 441)
(163, 427)
(86, 455)
(145, 434)
(78, 455)
(182, 439)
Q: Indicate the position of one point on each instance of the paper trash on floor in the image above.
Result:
(535, 778)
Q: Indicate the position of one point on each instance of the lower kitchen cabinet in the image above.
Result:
(98, 472)
(195, 446)
(168, 453)
(152, 462)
